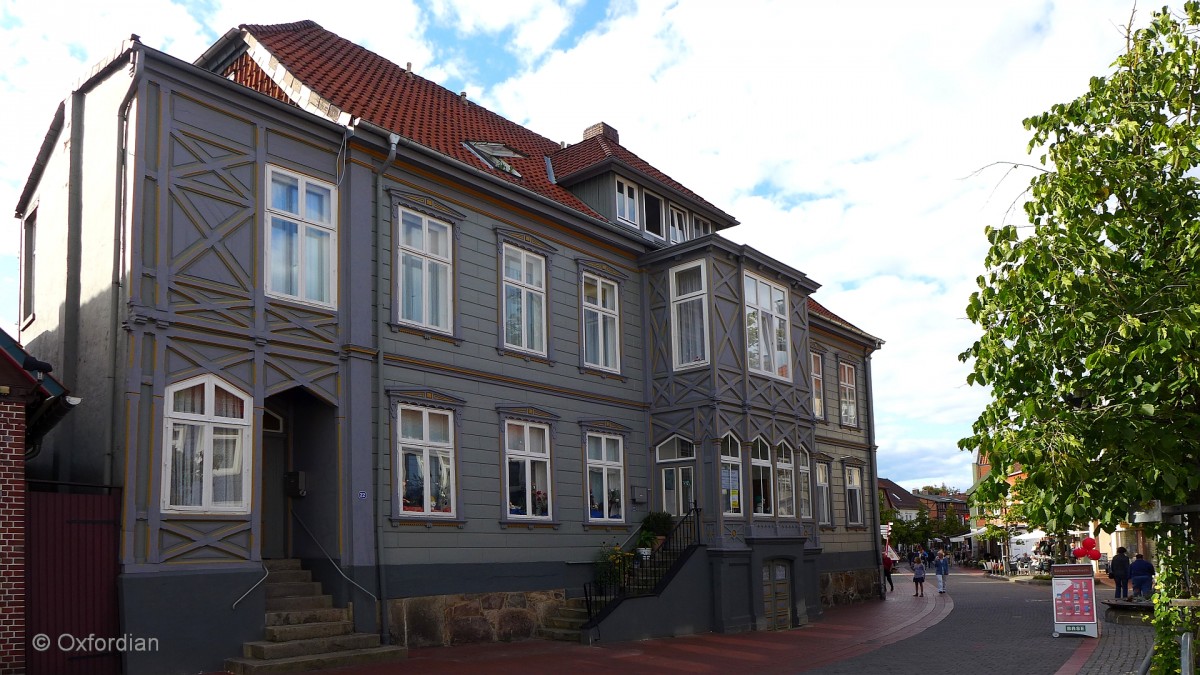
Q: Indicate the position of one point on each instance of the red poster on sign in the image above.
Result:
(1074, 600)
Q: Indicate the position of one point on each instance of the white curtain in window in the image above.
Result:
(187, 465)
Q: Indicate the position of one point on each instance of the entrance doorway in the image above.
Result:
(777, 594)
(274, 501)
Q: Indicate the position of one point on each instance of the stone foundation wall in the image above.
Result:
(848, 587)
(444, 620)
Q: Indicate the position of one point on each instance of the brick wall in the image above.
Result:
(12, 537)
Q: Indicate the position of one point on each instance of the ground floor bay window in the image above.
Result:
(731, 475)
(676, 456)
(761, 478)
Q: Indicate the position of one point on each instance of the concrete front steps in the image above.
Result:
(304, 631)
(565, 622)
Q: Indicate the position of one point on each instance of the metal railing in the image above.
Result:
(330, 559)
(634, 575)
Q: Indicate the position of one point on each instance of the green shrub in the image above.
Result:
(659, 523)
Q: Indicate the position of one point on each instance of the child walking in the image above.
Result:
(918, 578)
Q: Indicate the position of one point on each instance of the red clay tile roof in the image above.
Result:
(817, 308)
(366, 85)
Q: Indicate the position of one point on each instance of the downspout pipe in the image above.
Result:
(381, 438)
(873, 451)
(119, 222)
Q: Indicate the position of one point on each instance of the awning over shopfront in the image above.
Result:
(972, 533)
(1031, 536)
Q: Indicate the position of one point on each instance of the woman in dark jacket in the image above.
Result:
(1119, 568)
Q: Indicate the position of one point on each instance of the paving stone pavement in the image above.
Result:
(982, 625)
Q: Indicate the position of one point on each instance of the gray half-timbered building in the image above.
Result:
(364, 354)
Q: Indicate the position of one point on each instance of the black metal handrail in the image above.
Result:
(639, 575)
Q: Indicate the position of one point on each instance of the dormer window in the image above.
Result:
(627, 202)
(495, 155)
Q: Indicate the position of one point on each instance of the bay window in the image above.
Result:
(676, 456)
(689, 315)
(768, 340)
(731, 475)
(785, 480)
(761, 478)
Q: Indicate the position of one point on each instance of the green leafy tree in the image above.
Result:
(1091, 314)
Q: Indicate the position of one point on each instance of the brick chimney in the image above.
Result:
(602, 129)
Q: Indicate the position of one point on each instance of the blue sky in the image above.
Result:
(847, 138)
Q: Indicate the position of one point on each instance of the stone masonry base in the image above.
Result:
(444, 620)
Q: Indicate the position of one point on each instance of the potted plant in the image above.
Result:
(646, 543)
(659, 524)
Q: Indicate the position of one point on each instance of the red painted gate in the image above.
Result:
(71, 564)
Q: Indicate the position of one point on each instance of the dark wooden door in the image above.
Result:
(777, 594)
(71, 569)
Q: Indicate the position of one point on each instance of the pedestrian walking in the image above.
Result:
(888, 563)
(1119, 567)
(941, 567)
(918, 578)
(1141, 575)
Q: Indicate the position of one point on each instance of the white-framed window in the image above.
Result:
(527, 467)
(28, 264)
(301, 238)
(689, 315)
(601, 323)
(849, 394)
(761, 478)
(679, 226)
(206, 458)
(655, 214)
(425, 262)
(785, 480)
(676, 455)
(627, 202)
(524, 300)
(824, 498)
(605, 477)
(802, 483)
(700, 227)
(425, 447)
(854, 507)
(818, 385)
(768, 340)
(731, 475)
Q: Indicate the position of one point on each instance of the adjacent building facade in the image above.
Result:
(323, 308)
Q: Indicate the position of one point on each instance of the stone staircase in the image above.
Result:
(565, 622)
(304, 631)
